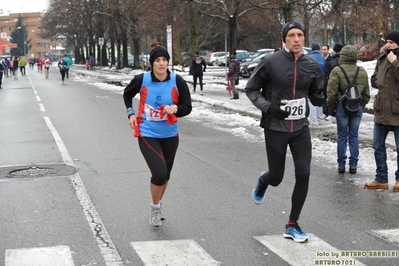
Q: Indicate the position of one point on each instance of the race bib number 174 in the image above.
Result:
(296, 108)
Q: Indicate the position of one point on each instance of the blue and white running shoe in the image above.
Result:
(258, 199)
(295, 232)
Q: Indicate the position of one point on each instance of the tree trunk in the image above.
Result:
(119, 64)
(125, 61)
(136, 47)
(113, 61)
(288, 10)
(232, 31)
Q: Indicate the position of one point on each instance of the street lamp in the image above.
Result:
(344, 16)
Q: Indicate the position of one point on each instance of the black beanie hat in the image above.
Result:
(157, 52)
(393, 36)
(292, 25)
(337, 48)
(315, 47)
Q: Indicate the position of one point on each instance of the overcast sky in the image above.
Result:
(21, 6)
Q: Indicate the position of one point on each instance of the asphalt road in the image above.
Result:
(74, 186)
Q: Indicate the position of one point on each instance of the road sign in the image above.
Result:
(101, 41)
(3, 35)
(10, 45)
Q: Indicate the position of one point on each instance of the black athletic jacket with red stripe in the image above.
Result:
(282, 77)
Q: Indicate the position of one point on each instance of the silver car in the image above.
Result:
(217, 59)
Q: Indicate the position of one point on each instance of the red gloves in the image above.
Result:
(171, 117)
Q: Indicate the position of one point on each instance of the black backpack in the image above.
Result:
(351, 99)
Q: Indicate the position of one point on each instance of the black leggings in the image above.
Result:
(199, 76)
(301, 149)
(62, 74)
(159, 155)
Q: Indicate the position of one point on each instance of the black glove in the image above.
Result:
(317, 99)
(275, 111)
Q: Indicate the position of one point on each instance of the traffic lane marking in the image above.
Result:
(173, 252)
(45, 256)
(305, 254)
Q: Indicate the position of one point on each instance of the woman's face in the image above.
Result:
(160, 65)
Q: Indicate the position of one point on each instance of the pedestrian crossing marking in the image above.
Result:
(391, 235)
(173, 252)
(45, 256)
(305, 254)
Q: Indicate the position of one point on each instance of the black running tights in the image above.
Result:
(159, 155)
(199, 77)
(301, 149)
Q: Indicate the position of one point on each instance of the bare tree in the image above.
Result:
(203, 24)
(230, 11)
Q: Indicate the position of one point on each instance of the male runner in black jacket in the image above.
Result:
(280, 87)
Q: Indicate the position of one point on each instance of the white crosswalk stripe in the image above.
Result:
(314, 252)
(45, 256)
(173, 252)
(189, 252)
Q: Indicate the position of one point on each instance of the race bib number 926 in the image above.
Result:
(296, 108)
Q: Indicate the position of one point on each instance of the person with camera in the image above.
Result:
(386, 110)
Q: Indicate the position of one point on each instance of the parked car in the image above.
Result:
(205, 54)
(248, 67)
(258, 53)
(185, 59)
(216, 59)
(241, 54)
(130, 60)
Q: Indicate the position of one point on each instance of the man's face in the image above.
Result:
(324, 50)
(391, 45)
(294, 41)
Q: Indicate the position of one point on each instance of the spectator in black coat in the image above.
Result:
(198, 66)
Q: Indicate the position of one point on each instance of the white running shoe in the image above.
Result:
(161, 213)
(155, 217)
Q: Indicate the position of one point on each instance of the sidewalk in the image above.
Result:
(214, 92)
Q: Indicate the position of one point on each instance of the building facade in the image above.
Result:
(33, 24)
